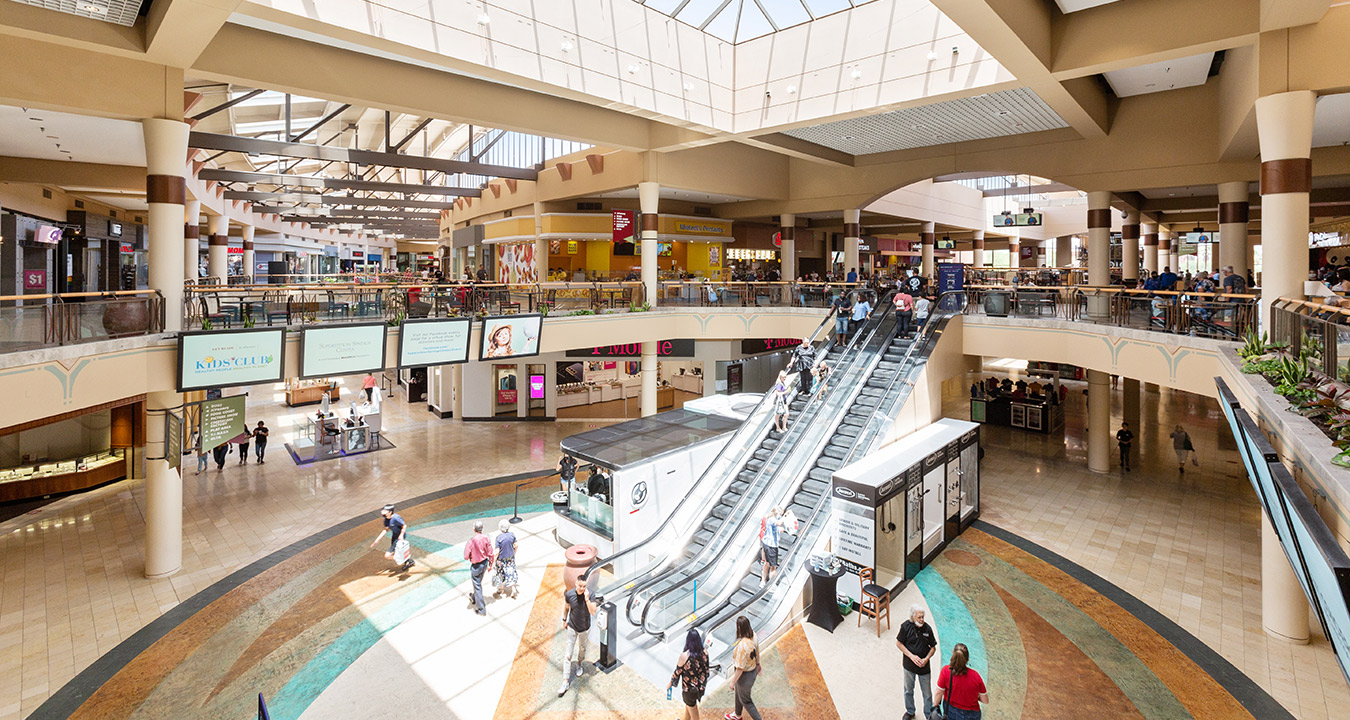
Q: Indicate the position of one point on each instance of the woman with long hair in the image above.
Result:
(961, 687)
(745, 657)
(1181, 445)
(692, 670)
(499, 342)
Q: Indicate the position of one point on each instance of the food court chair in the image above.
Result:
(876, 600)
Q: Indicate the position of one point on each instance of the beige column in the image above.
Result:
(852, 233)
(540, 245)
(1014, 250)
(649, 196)
(1099, 420)
(1284, 607)
(165, 191)
(927, 241)
(247, 232)
(1130, 409)
(1129, 248)
(978, 244)
(1149, 233)
(163, 489)
(648, 396)
(1064, 251)
(1099, 252)
(1284, 124)
(192, 212)
(1173, 250)
(1165, 261)
(218, 247)
(1043, 253)
(1234, 211)
(787, 227)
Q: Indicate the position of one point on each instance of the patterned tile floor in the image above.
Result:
(1184, 545)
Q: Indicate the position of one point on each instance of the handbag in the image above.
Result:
(402, 551)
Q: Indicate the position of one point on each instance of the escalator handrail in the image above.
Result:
(856, 346)
(850, 354)
(744, 428)
(929, 330)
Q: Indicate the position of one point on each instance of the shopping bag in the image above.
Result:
(402, 551)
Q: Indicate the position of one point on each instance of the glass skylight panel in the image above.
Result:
(737, 21)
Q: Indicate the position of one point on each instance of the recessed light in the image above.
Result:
(856, 74)
(848, 137)
(95, 9)
(483, 19)
(932, 55)
(792, 89)
(567, 46)
(632, 69)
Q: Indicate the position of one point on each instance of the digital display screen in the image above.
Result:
(509, 336)
(440, 341)
(1200, 237)
(946, 244)
(230, 358)
(342, 350)
(536, 387)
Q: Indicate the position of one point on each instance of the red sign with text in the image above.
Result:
(624, 225)
(506, 397)
(34, 279)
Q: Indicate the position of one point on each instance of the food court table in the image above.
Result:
(824, 593)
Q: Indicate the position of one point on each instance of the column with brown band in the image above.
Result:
(192, 210)
(977, 244)
(927, 239)
(1014, 249)
(1149, 235)
(852, 234)
(1064, 255)
(1099, 258)
(1129, 248)
(247, 232)
(787, 226)
(218, 248)
(1233, 212)
(649, 196)
(1164, 250)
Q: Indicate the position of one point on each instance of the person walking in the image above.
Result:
(769, 528)
(478, 551)
(577, 612)
(904, 311)
(243, 445)
(504, 577)
(203, 457)
(260, 440)
(804, 360)
(745, 659)
(691, 671)
(398, 533)
(780, 403)
(961, 687)
(918, 644)
(842, 311)
(567, 471)
(1125, 439)
(1181, 445)
(219, 453)
(368, 387)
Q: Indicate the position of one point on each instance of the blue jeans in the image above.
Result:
(841, 326)
(925, 685)
(477, 571)
(955, 713)
(202, 462)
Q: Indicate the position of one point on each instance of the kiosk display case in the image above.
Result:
(897, 508)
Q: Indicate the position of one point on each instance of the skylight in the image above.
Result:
(736, 21)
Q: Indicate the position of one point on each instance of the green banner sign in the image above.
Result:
(173, 439)
(222, 420)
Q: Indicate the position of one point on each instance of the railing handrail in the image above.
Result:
(107, 294)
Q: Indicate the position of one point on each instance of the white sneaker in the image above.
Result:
(562, 689)
(579, 670)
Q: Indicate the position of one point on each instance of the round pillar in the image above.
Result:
(1014, 252)
(218, 248)
(648, 395)
(977, 243)
(192, 212)
(1064, 251)
(1099, 253)
(1130, 409)
(649, 196)
(541, 267)
(927, 239)
(247, 231)
(1165, 261)
(1099, 421)
(1284, 125)
(1284, 607)
(1129, 256)
(1149, 235)
(165, 192)
(787, 228)
(163, 493)
(852, 234)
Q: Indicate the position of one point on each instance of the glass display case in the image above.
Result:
(53, 468)
(591, 511)
(49, 477)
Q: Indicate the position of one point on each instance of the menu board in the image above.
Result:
(438, 341)
(509, 336)
(342, 350)
(230, 358)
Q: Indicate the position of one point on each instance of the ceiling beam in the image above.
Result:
(411, 134)
(340, 109)
(227, 104)
(333, 183)
(334, 200)
(254, 146)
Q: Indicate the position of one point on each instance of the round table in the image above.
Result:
(824, 604)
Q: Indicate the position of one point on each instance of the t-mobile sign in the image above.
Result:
(536, 387)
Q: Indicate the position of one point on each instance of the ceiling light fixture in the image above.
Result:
(633, 69)
(567, 45)
(856, 74)
(688, 87)
(483, 19)
(792, 89)
(932, 56)
(95, 9)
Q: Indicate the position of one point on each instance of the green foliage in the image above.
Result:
(248, 321)
(587, 311)
(397, 319)
(1254, 346)
(206, 323)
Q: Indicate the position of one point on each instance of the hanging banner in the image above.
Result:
(222, 420)
(624, 225)
(173, 439)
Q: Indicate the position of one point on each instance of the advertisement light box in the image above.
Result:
(231, 358)
(434, 342)
(342, 350)
(509, 336)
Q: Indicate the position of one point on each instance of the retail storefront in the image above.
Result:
(71, 452)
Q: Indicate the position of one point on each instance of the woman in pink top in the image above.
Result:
(368, 387)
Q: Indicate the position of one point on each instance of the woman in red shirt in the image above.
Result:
(961, 687)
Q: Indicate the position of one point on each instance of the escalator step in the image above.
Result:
(701, 538)
(848, 431)
(834, 452)
(829, 463)
(820, 475)
(815, 486)
(800, 510)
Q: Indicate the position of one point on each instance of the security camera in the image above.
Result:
(1124, 214)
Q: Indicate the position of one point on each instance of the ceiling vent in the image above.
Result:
(46, 194)
(590, 206)
(705, 211)
(79, 204)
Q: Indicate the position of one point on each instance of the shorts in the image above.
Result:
(691, 697)
(841, 326)
(770, 555)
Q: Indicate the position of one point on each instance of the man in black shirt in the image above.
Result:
(577, 612)
(918, 643)
(1124, 437)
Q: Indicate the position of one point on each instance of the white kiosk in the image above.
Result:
(896, 509)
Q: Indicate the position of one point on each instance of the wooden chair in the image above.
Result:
(876, 600)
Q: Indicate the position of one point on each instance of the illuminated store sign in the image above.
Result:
(664, 348)
(342, 350)
(748, 254)
(230, 358)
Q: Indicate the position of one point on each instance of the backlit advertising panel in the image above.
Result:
(230, 358)
(509, 336)
(342, 350)
(438, 341)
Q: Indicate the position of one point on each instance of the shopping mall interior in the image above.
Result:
(637, 358)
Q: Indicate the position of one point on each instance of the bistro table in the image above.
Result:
(824, 604)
